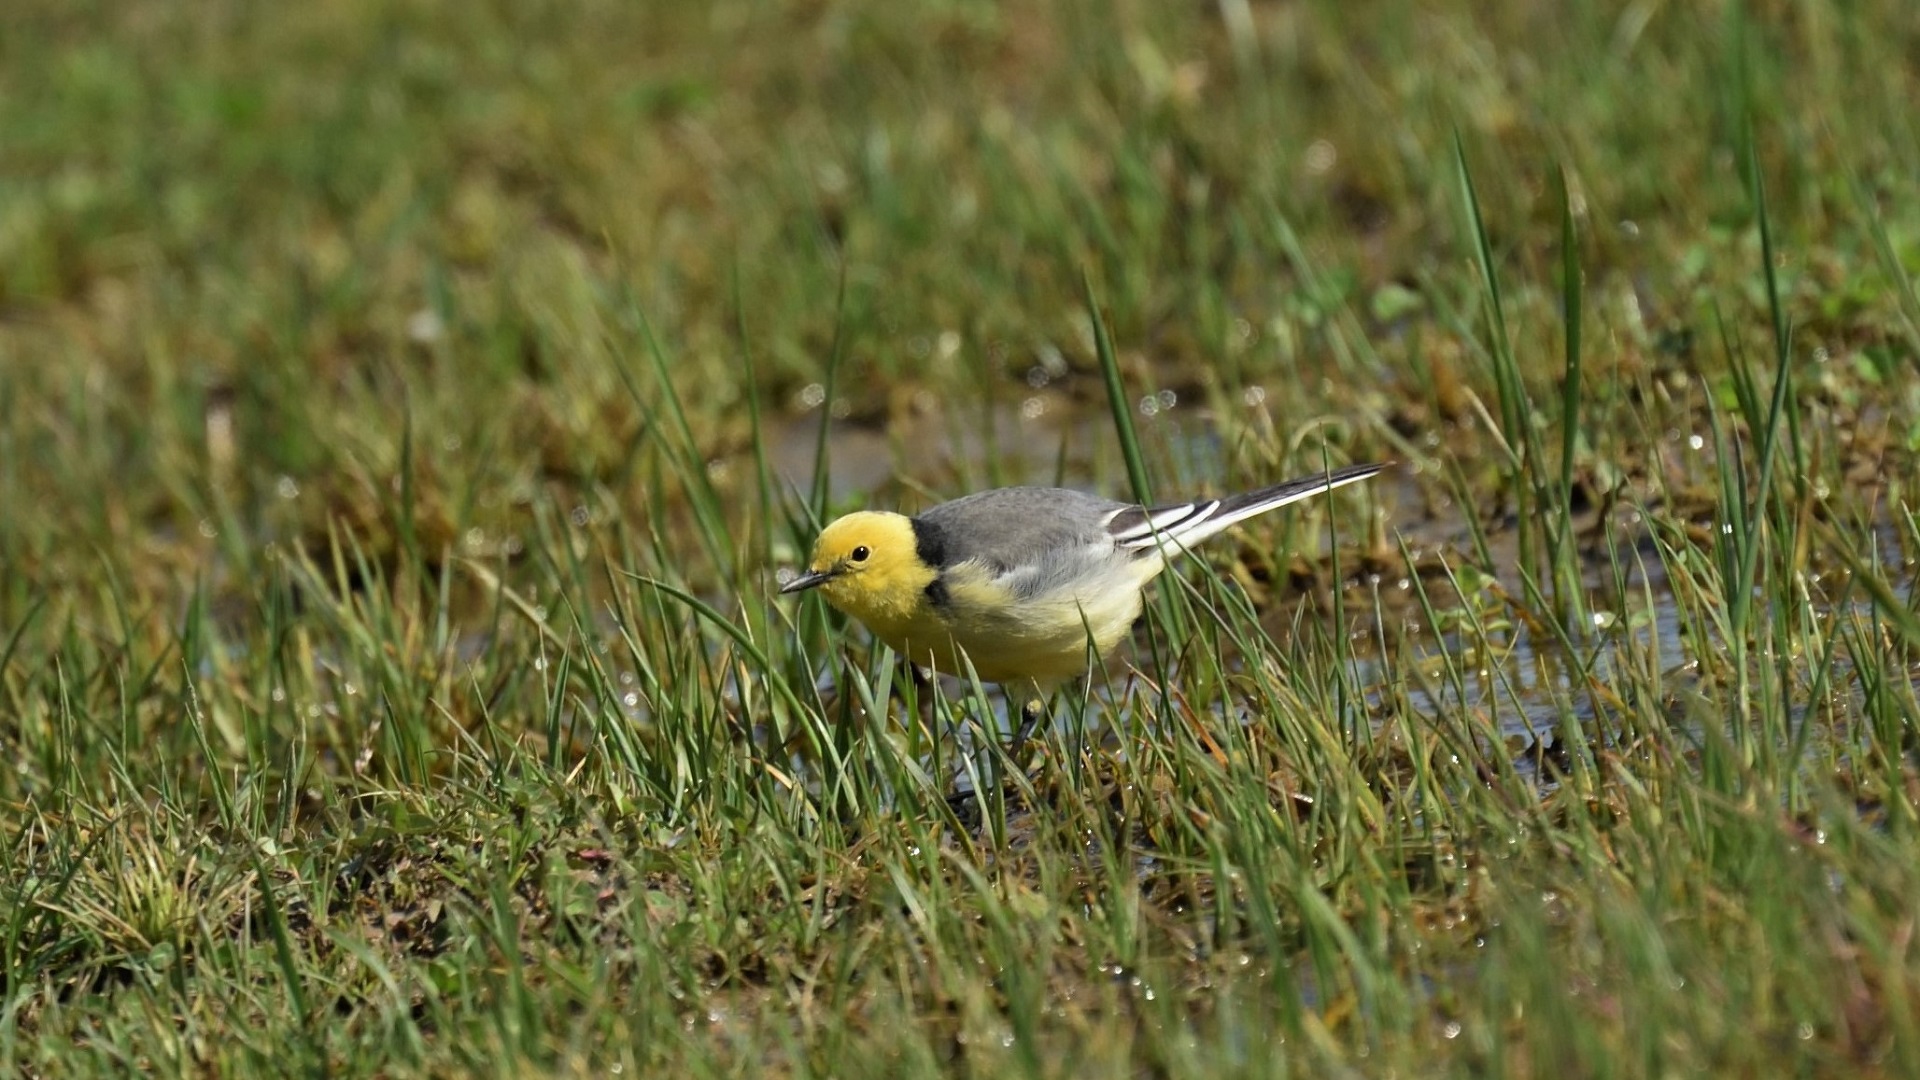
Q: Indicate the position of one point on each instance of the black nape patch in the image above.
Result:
(929, 543)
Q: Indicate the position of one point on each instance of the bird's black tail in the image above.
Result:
(1186, 524)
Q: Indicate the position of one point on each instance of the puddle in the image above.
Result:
(1514, 673)
(1047, 437)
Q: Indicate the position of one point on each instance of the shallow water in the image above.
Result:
(1508, 668)
(1046, 438)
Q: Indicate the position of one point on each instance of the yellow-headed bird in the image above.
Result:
(1020, 580)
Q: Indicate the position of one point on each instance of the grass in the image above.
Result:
(409, 405)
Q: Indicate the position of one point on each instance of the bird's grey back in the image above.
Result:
(1014, 527)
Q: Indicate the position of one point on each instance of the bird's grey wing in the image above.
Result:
(1029, 537)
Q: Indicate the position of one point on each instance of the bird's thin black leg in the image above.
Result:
(922, 681)
(1031, 714)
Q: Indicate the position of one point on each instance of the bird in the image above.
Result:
(1029, 585)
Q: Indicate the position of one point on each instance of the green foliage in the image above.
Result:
(409, 406)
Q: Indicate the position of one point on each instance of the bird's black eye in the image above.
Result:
(860, 553)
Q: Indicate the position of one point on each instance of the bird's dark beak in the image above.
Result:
(807, 581)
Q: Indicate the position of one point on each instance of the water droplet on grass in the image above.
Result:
(424, 327)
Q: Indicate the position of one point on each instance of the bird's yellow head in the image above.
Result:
(868, 565)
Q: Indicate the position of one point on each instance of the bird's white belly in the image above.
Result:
(1050, 637)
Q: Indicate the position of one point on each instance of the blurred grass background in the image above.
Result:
(388, 384)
